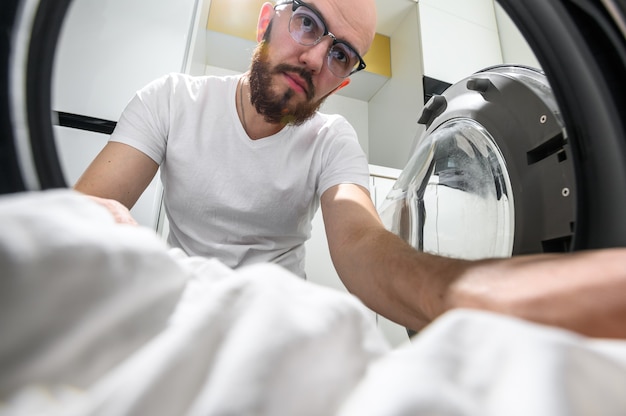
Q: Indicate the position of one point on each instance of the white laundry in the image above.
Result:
(78, 293)
(254, 341)
(475, 363)
(103, 319)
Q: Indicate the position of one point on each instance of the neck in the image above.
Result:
(253, 123)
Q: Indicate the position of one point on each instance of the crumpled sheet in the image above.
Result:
(103, 319)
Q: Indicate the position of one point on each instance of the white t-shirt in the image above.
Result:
(242, 201)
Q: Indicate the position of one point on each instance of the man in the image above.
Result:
(245, 162)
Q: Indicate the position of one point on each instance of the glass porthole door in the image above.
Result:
(493, 174)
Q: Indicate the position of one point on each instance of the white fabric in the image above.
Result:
(259, 341)
(473, 363)
(242, 201)
(255, 341)
(78, 293)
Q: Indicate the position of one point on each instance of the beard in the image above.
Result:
(276, 108)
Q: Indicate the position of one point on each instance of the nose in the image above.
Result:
(314, 57)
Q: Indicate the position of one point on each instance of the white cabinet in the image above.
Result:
(459, 37)
(319, 266)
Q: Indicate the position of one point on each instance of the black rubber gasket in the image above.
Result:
(583, 55)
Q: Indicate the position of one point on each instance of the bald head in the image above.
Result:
(364, 13)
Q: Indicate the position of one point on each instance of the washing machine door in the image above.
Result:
(502, 169)
(493, 175)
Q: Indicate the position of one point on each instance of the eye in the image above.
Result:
(342, 55)
(338, 55)
(308, 24)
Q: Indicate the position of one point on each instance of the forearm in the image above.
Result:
(390, 277)
(584, 291)
(386, 273)
(98, 182)
(116, 179)
(119, 172)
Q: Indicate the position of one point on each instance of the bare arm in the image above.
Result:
(585, 291)
(120, 173)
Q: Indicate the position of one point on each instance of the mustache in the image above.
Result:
(303, 73)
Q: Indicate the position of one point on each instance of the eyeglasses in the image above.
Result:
(307, 27)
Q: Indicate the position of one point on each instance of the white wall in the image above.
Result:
(355, 111)
(515, 49)
(395, 109)
(459, 37)
(107, 50)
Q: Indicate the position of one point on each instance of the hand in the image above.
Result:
(120, 213)
(582, 291)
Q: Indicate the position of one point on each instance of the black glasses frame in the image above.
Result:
(300, 3)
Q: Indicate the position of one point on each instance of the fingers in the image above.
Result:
(120, 213)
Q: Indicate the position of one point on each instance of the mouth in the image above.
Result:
(296, 83)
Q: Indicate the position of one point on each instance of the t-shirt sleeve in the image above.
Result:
(344, 161)
(144, 123)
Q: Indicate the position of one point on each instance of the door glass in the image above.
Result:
(454, 196)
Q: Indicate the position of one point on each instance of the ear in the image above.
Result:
(265, 16)
(344, 83)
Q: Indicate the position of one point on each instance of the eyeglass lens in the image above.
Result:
(308, 29)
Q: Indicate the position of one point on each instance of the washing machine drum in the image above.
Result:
(493, 174)
(500, 167)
